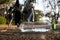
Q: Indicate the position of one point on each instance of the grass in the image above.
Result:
(4, 26)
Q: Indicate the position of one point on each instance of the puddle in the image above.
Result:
(34, 30)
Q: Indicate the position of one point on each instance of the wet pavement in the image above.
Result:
(16, 34)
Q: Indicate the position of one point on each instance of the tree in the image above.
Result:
(3, 1)
(54, 13)
(38, 15)
(7, 2)
(28, 9)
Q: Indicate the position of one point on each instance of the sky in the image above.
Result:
(39, 5)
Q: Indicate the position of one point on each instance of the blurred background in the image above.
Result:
(43, 10)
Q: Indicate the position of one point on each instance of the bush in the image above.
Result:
(2, 20)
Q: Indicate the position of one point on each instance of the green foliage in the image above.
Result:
(22, 17)
(27, 1)
(2, 20)
(3, 1)
(13, 22)
(34, 1)
(38, 15)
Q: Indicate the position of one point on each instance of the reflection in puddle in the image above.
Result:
(34, 30)
(25, 28)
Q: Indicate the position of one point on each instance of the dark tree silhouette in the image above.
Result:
(17, 12)
(28, 9)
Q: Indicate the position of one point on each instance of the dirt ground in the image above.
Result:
(16, 34)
